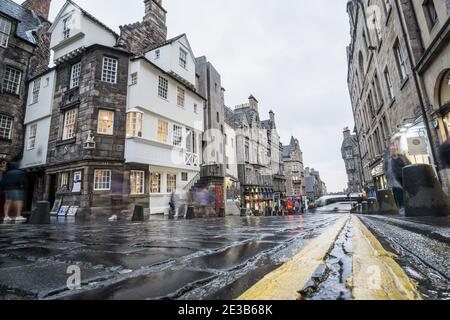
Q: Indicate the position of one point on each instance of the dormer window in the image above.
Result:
(183, 58)
(66, 27)
(5, 30)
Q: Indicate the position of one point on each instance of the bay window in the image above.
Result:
(163, 131)
(134, 125)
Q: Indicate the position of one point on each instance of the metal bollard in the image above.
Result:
(423, 193)
(387, 203)
(41, 215)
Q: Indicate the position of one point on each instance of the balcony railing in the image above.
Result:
(192, 159)
(213, 171)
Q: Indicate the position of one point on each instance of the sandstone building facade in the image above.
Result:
(350, 155)
(294, 169)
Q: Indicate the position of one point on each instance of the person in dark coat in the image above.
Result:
(13, 183)
(393, 169)
(445, 153)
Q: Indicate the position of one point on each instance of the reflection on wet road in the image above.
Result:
(195, 259)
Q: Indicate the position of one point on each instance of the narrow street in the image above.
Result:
(220, 258)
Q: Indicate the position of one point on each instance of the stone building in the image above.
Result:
(86, 165)
(294, 170)
(276, 159)
(254, 166)
(314, 186)
(387, 101)
(350, 155)
(23, 54)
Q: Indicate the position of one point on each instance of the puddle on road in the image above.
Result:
(330, 280)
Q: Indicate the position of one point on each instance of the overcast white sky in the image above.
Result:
(290, 54)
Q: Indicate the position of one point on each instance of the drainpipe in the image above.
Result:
(416, 84)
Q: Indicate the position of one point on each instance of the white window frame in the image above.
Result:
(171, 182)
(105, 127)
(69, 124)
(163, 129)
(66, 28)
(134, 183)
(163, 88)
(75, 75)
(157, 54)
(64, 180)
(134, 124)
(36, 90)
(401, 62)
(181, 97)
(6, 126)
(133, 79)
(109, 70)
(102, 180)
(153, 175)
(183, 58)
(177, 135)
(32, 133)
(5, 32)
(12, 80)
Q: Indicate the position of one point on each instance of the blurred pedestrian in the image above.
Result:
(394, 163)
(3, 168)
(14, 184)
(445, 153)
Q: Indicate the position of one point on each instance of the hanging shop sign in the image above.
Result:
(378, 170)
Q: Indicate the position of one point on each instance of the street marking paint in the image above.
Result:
(376, 275)
(286, 282)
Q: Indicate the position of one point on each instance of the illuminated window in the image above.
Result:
(171, 183)
(134, 125)
(180, 97)
(69, 124)
(163, 131)
(102, 180)
(105, 122)
(155, 182)
(137, 182)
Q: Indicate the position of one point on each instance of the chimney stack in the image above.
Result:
(347, 133)
(253, 102)
(40, 7)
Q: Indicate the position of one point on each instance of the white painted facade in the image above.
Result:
(167, 157)
(37, 120)
(230, 151)
(73, 29)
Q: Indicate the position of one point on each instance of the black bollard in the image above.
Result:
(365, 207)
(138, 214)
(386, 202)
(41, 215)
(424, 196)
(372, 206)
(190, 213)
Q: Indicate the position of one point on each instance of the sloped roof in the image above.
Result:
(248, 113)
(165, 43)
(290, 148)
(27, 20)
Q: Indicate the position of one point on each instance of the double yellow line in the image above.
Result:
(376, 275)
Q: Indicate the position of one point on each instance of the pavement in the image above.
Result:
(310, 257)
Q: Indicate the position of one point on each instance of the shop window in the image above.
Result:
(137, 182)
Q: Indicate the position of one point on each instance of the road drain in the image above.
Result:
(329, 282)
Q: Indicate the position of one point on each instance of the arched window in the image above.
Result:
(444, 90)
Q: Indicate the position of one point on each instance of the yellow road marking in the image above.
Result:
(286, 282)
(376, 275)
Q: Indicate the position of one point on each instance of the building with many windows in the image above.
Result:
(164, 122)
(388, 100)
(294, 170)
(350, 155)
(23, 54)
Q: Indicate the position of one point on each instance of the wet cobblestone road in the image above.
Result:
(176, 259)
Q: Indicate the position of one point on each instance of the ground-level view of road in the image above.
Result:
(311, 256)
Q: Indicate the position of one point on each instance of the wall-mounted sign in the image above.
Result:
(417, 146)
